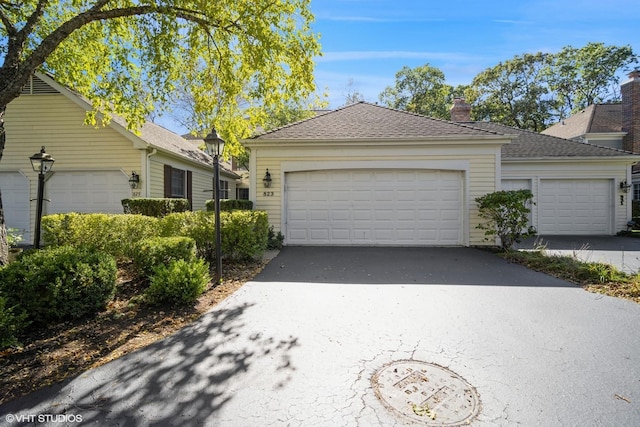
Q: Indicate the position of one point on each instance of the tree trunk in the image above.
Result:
(4, 245)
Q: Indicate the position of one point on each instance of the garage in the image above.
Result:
(374, 207)
(575, 206)
(86, 192)
(15, 201)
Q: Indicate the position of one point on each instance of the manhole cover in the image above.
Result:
(426, 393)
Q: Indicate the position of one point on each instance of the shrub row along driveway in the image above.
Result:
(300, 343)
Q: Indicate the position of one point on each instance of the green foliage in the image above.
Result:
(11, 324)
(507, 216)
(244, 234)
(635, 209)
(532, 91)
(114, 234)
(59, 283)
(420, 90)
(513, 93)
(274, 241)
(583, 76)
(14, 236)
(157, 207)
(178, 282)
(152, 252)
(230, 205)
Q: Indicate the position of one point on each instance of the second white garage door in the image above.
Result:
(87, 192)
(575, 206)
(374, 207)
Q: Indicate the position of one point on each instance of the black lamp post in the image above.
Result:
(215, 147)
(41, 163)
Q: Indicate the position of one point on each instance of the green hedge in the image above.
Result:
(244, 233)
(59, 283)
(11, 324)
(152, 252)
(635, 208)
(114, 234)
(178, 282)
(157, 207)
(231, 205)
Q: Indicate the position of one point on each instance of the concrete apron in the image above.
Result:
(302, 343)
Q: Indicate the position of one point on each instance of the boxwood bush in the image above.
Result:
(244, 233)
(59, 283)
(152, 252)
(156, 207)
(178, 282)
(230, 205)
(11, 324)
(113, 234)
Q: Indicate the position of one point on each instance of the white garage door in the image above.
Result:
(86, 192)
(15, 201)
(568, 206)
(374, 207)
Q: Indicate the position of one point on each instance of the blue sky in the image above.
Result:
(368, 41)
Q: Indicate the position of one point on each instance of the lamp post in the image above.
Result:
(215, 147)
(41, 163)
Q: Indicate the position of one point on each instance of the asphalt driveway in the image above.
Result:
(299, 346)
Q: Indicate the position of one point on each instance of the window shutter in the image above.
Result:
(190, 189)
(167, 181)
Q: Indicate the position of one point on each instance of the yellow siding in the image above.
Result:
(480, 174)
(56, 122)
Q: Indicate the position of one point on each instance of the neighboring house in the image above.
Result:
(370, 175)
(93, 165)
(615, 125)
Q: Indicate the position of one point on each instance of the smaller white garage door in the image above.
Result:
(15, 201)
(575, 206)
(87, 192)
(374, 207)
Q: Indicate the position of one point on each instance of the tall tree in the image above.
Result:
(513, 93)
(420, 90)
(353, 95)
(583, 76)
(108, 50)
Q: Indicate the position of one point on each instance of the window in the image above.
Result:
(224, 189)
(242, 193)
(636, 191)
(177, 183)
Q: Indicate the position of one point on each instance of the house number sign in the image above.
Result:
(268, 194)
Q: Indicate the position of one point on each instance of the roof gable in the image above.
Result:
(596, 118)
(363, 120)
(151, 134)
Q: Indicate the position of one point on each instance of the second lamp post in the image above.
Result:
(215, 148)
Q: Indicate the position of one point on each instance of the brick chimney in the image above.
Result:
(461, 111)
(631, 112)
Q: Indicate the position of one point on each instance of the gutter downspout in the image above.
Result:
(147, 180)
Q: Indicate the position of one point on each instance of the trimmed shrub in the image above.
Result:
(199, 226)
(244, 234)
(507, 216)
(11, 324)
(274, 241)
(231, 205)
(59, 283)
(114, 234)
(152, 252)
(635, 208)
(178, 282)
(156, 207)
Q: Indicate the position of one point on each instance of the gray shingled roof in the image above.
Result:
(363, 120)
(596, 118)
(529, 144)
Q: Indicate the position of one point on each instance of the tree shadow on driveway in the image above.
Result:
(185, 379)
(400, 265)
